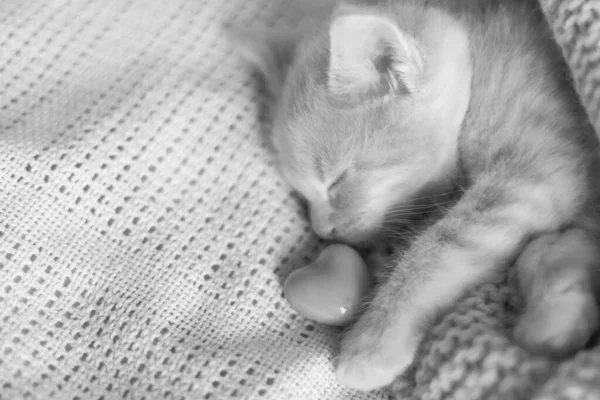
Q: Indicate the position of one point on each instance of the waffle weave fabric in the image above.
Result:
(144, 232)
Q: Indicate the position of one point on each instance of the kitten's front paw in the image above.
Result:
(368, 361)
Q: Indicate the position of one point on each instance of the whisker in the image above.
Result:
(432, 196)
(397, 220)
(412, 209)
(408, 208)
(394, 233)
(432, 203)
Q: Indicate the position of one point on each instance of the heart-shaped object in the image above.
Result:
(331, 289)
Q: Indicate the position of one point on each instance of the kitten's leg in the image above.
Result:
(481, 234)
(558, 274)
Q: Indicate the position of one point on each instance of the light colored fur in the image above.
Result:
(385, 104)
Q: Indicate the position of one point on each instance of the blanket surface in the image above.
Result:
(144, 232)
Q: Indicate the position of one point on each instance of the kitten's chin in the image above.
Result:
(358, 240)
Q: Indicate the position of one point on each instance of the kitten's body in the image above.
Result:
(390, 100)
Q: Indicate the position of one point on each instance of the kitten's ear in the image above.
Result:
(269, 50)
(370, 55)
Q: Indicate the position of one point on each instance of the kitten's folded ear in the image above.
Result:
(269, 50)
(371, 56)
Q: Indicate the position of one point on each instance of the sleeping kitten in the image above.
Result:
(384, 103)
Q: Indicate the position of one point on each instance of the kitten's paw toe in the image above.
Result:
(371, 366)
(362, 372)
(559, 325)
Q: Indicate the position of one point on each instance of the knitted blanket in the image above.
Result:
(144, 232)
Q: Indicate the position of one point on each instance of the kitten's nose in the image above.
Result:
(321, 223)
(326, 231)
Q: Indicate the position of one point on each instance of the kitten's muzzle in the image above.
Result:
(331, 232)
(325, 231)
(328, 227)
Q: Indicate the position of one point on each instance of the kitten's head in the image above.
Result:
(364, 125)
